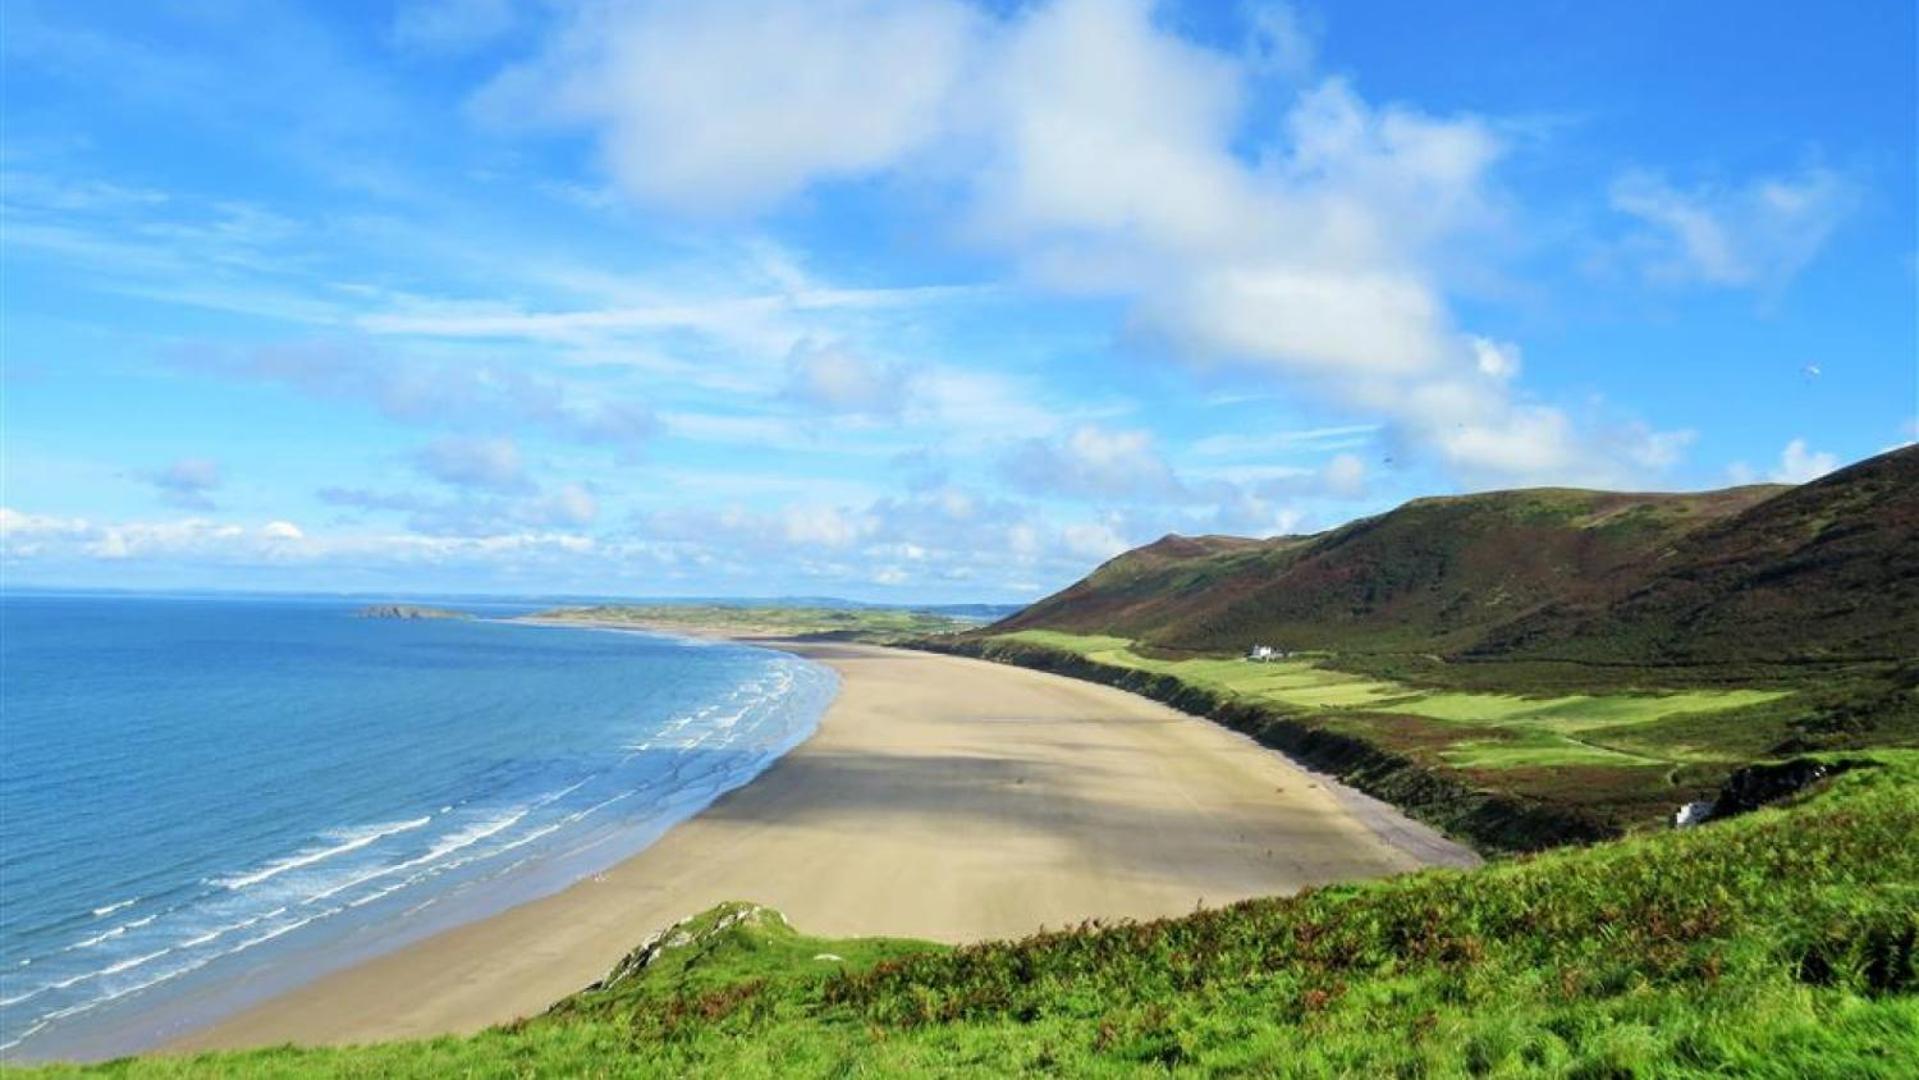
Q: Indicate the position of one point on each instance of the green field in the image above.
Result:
(1778, 944)
(1494, 731)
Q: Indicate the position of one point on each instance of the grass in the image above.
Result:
(877, 625)
(1531, 731)
(1514, 766)
(1777, 944)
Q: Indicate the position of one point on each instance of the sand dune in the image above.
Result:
(942, 798)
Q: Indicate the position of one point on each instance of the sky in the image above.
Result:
(915, 302)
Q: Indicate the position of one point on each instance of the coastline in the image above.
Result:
(940, 797)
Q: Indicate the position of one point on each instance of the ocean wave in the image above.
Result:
(463, 839)
(101, 912)
(694, 756)
(351, 840)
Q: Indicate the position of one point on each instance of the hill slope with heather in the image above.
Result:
(1527, 668)
(1763, 574)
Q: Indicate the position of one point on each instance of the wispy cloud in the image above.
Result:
(434, 393)
(1760, 233)
(1337, 437)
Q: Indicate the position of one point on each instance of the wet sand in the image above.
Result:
(943, 798)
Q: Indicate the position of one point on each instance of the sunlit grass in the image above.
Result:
(1569, 729)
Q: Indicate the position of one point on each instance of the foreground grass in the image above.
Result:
(877, 625)
(1776, 944)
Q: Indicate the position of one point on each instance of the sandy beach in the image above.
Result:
(943, 798)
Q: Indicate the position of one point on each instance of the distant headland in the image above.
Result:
(408, 611)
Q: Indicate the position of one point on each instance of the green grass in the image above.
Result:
(1597, 762)
(1536, 731)
(1779, 944)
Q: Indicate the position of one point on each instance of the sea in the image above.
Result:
(208, 800)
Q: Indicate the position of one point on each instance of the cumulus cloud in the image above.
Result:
(717, 107)
(1798, 463)
(1759, 234)
(187, 483)
(1106, 154)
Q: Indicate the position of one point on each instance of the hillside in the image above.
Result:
(1825, 571)
(1779, 943)
(1763, 574)
(1527, 668)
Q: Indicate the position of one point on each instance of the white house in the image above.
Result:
(1263, 653)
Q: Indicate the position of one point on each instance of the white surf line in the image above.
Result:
(101, 912)
(370, 835)
(463, 839)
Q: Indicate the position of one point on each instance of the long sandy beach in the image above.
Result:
(941, 798)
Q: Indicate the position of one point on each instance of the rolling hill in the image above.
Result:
(1825, 571)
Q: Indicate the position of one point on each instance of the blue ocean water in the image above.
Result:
(206, 800)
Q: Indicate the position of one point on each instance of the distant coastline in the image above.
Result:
(408, 611)
(759, 623)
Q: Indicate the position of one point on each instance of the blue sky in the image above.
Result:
(916, 302)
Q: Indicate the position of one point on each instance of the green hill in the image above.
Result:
(1526, 668)
(1826, 571)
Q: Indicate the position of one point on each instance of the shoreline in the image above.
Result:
(720, 758)
(980, 801)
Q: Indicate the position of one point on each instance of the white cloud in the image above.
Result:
(825, 526)
(1105, 154)
(1799, 463)
(1759, 234)
(725, 106)
(1345, 476)
(1498, 359)
(210, 543)
(1338, 437)
(24, 535)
